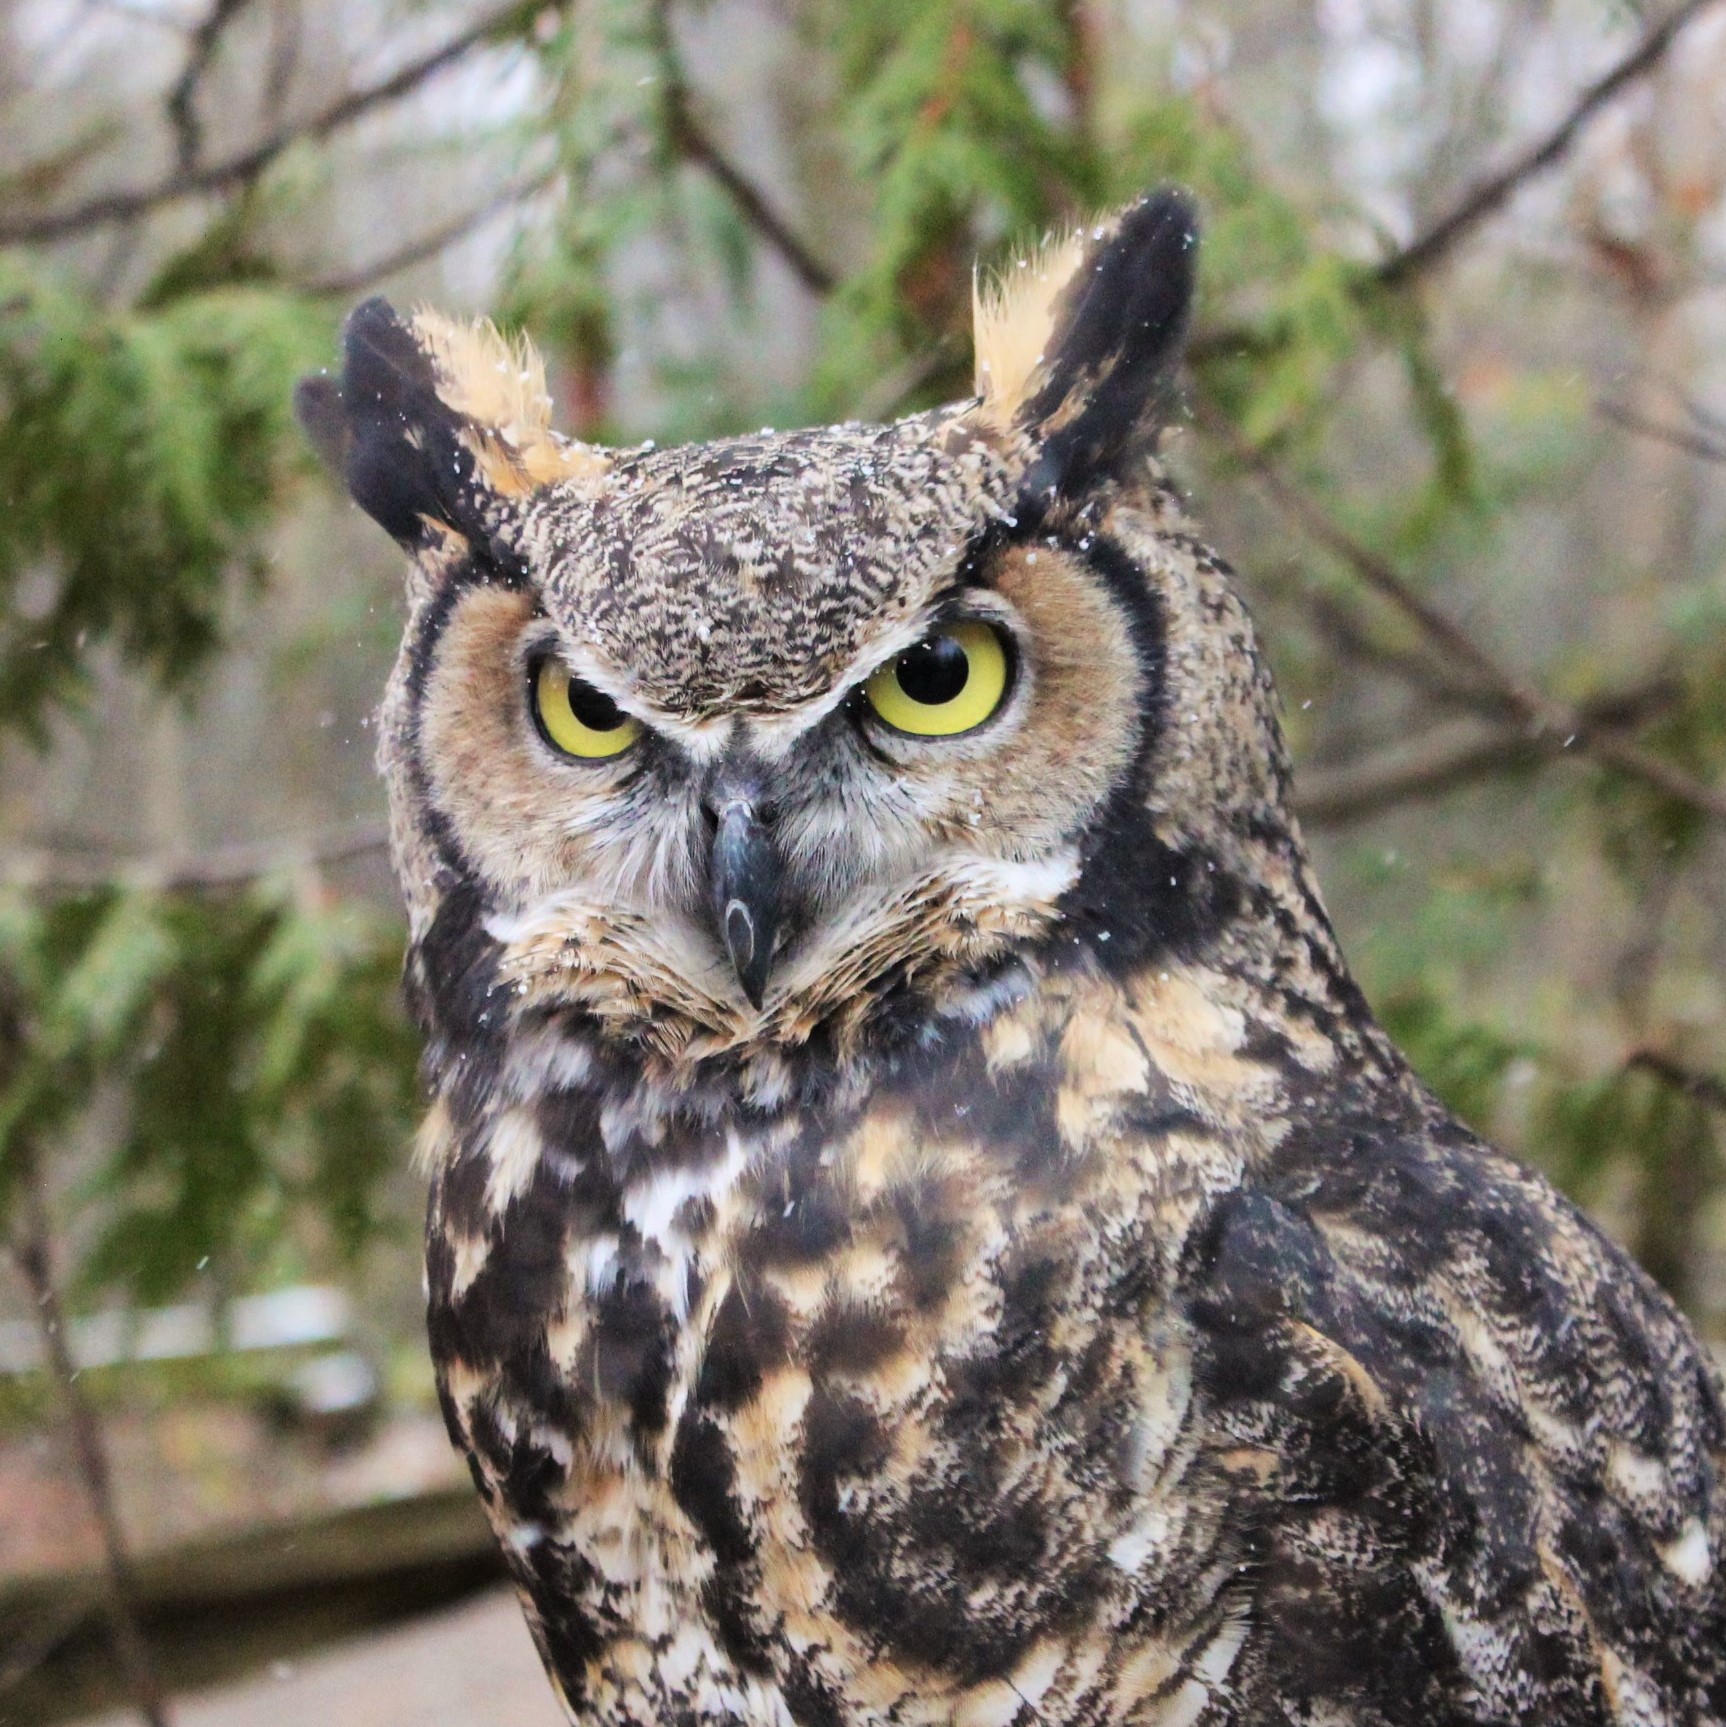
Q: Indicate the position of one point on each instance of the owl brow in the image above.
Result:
(1029, 522)
(984, 546)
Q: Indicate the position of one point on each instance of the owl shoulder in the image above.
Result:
(1462, 1379)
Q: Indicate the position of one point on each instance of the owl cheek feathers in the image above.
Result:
(435, 423)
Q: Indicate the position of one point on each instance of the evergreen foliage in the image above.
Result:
(248, 1049)
(142, 453)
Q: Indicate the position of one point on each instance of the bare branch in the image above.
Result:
(246, 167)
(1493, 192)
(1353, 636)
(1503, 694)
(37, 1645)
(1456, 753)
(695, 144)
(182, 103)
(1679, 437)
(1712, 423)
(225, 866)
(32, 1251)
(1484, 672)
(1704, 1087)
(1444, 758)
(1410, 262)
(890, 392)
(429, 244)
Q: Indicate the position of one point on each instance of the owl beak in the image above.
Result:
(743, 869)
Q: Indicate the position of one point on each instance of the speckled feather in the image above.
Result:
(1058, 1302)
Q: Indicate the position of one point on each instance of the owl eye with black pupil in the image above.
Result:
(945, 686)
(573, 717)
(594, 708)
(934, 671)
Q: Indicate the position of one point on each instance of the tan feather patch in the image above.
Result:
(436, 1141)
(500, 387)
(1012, 319)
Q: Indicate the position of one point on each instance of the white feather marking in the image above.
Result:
(1688, 1558)
(1148, 1533)
(1636, 1475)
(1031, 883)
(601, 1256)
(513, 1147)
(471, 1253)
(652, 1205)
(543, 1059)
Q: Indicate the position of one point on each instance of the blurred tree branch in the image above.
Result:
(248, 165)
(693, 143)
(1493, 192)
(182, 102)
(1705, 1088)
(32, 1252)
(1352, 636)
(1502, 693)
(1711, 448)
(1438, 761)
(1454, 754)
(1407, 264)
(224, 866)
(338, 283)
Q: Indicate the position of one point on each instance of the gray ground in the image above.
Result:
(472, 1667)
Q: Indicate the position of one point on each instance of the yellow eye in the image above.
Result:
(575, 718)
(946, 685)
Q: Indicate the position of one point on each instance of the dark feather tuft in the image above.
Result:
(384, 429)
(1119, 325)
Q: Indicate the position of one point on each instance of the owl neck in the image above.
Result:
(1219, 958)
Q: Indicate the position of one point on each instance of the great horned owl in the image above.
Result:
(924, 1228)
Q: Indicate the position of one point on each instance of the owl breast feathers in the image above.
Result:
(924, 1228)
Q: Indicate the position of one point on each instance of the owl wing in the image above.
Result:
(1498, 1476)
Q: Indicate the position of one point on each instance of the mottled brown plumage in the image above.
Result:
(1006, 1277)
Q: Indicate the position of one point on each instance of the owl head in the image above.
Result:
(779, 742)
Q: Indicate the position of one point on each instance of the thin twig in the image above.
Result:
(1679, 437)
(1353, 637)
(429, 244)
(1446, 757)
(32, 1251)
(28, 1652)
(181, 106)
(695, 144)
(249, 164)
(1712, 423)
(1693, 1082)
(1455, 753)
(1372, 570)
(1493, 192)
(889, 395)
(225, 866)
(1407, 264)
(1502, 692)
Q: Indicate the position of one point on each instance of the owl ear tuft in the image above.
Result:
(385, 431)
(435, 425)
(498, 388)
(1077, 347)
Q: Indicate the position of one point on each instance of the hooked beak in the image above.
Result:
(743, 870)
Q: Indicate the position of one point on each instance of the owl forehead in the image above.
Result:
(747, 574)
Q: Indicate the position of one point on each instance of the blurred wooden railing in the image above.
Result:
(216, 1610)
